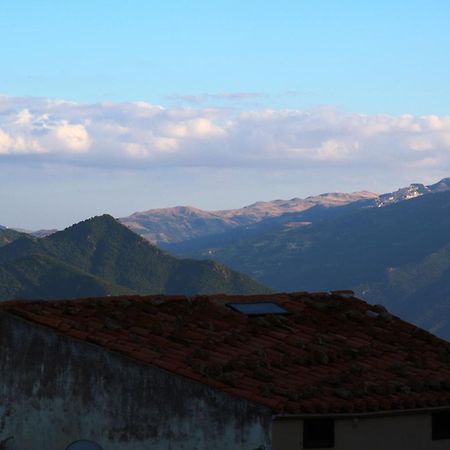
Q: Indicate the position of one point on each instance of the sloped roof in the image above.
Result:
(332, 354)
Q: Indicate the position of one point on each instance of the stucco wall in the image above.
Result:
(404, 432)
(55, 390)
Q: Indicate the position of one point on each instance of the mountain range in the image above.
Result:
(100, 256)
(178, 224)
(393, 249)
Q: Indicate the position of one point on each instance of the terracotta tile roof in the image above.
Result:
(332, 354)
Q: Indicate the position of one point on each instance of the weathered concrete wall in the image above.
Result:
(402, 432)
(55, 390)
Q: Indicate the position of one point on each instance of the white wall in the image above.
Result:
(403, 432)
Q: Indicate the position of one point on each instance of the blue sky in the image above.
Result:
(274, 99)
(383, 56)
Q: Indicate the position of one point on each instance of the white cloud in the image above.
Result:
(23, 117)
(141, 135)
(72, 137)
(193, 128)
(6, 143)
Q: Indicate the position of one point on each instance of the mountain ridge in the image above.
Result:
(107, 258)
(412, 191)
(168, 225)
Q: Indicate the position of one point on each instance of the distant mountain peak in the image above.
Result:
(104, 220)
(443, 185)
(412, 191)
(103, 227)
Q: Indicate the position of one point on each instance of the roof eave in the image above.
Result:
(370, 414)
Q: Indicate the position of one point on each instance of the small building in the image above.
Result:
(273, 372)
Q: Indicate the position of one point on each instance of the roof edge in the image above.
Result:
(395, 412)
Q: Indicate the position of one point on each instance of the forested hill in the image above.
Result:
(100, 257)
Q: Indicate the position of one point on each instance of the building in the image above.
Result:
(280, 372)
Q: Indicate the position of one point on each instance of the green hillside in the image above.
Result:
(419, 291)
(38, 276)
(7, 236)
(100, 257)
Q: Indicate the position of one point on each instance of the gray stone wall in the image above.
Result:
(55, 390)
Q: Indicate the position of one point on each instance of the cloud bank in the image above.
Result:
(144, 136)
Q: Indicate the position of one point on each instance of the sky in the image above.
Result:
(112, 106)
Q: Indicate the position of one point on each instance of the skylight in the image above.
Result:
(258, 308)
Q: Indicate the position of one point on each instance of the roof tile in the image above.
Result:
(327, 356)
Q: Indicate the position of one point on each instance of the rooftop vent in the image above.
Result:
(257, 308)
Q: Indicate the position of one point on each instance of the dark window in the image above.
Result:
(318, 433)
(83, 445)
(257, 308)
(440, 425)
